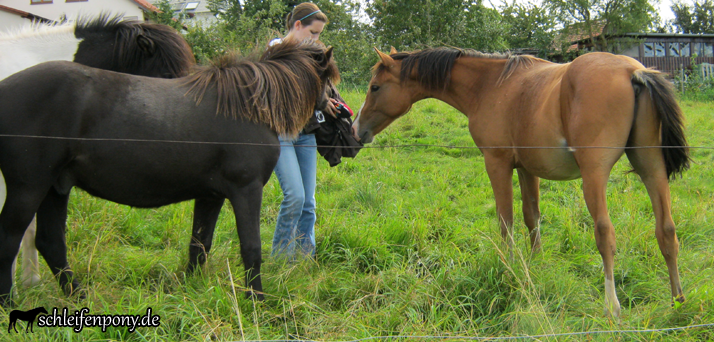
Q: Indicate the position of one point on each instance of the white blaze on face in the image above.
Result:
(355, 124)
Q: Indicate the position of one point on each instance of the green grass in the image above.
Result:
(408, 244)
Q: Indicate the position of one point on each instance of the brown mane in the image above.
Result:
(279, 90)
(434, 65)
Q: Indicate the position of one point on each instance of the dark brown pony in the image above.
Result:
(143, 142)
(104, 42)
(573, 120)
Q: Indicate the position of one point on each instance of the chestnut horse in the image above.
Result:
(572, 120)
(149, 142)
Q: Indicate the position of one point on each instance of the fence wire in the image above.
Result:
(572, 148)
(507, 338)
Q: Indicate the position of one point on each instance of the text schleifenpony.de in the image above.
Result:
(81, 319)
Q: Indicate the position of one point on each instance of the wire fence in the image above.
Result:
(508, 338)
(130, 140)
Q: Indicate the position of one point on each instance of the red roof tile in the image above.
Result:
(147, 5)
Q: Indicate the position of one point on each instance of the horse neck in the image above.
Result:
(472, 79)
(25, 49)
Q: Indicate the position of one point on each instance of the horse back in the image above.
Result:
(126, 132)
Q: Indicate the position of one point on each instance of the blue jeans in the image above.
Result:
(297, 172)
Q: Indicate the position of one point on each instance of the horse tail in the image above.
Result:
(661, 91)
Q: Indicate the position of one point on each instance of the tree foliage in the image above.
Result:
(696, 18)
(407, 24)
(530, 26)
(598, 20)
(356, 26)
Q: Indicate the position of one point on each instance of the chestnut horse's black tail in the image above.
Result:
(675, 149)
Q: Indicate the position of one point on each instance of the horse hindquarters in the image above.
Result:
(599, 114)
(653, 165)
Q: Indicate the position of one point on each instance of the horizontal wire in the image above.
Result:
(331, 146)
(503, 338)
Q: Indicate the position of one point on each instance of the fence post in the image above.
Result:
(681, 79)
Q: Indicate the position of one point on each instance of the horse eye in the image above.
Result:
(374, 88)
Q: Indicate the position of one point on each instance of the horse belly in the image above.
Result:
(557, 162)
(148, 178)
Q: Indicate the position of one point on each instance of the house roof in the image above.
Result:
(24, 14)
(147, 5)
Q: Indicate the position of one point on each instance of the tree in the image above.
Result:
(166, 15)
(408, 24)
(530, 26)
(598, 20)
(698, 18)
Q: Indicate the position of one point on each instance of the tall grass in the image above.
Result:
(408, 244)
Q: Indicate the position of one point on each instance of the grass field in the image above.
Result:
(408, 244)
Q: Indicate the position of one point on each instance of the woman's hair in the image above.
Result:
(306, 12)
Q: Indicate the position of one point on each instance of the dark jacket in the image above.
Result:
(334, 135)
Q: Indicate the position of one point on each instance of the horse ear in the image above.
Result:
(386, 60)
(328, 54)
(392, 50)
(146, 44)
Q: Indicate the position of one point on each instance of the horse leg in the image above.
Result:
(650, 166)
(530, 196)
(246, 203)
(30, 263)
(16, 215)
(205, 215)
(50, 239)
(500, 173)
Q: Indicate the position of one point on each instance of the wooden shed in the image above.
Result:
(667, 52)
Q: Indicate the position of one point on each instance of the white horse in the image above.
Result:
(104, 42)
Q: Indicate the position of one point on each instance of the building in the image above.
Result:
(670, 52)
(14, 13)
(666, 52)
(194, 10)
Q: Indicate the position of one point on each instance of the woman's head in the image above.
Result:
(305, 21)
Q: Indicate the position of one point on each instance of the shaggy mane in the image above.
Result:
(279, 90)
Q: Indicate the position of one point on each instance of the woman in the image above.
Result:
(297, 166)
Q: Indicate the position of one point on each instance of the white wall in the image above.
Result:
(10, 20)
(71, 10)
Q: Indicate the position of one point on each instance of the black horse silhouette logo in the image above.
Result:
(27, 316)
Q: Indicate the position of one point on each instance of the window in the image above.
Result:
(674, 49)
(190, 6)
(36, 2)
(708, 51)
(697, 49)
(76, 0)
(659, 50)
(649, 50)
(684, 49)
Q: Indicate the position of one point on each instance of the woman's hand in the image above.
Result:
(331, 109)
